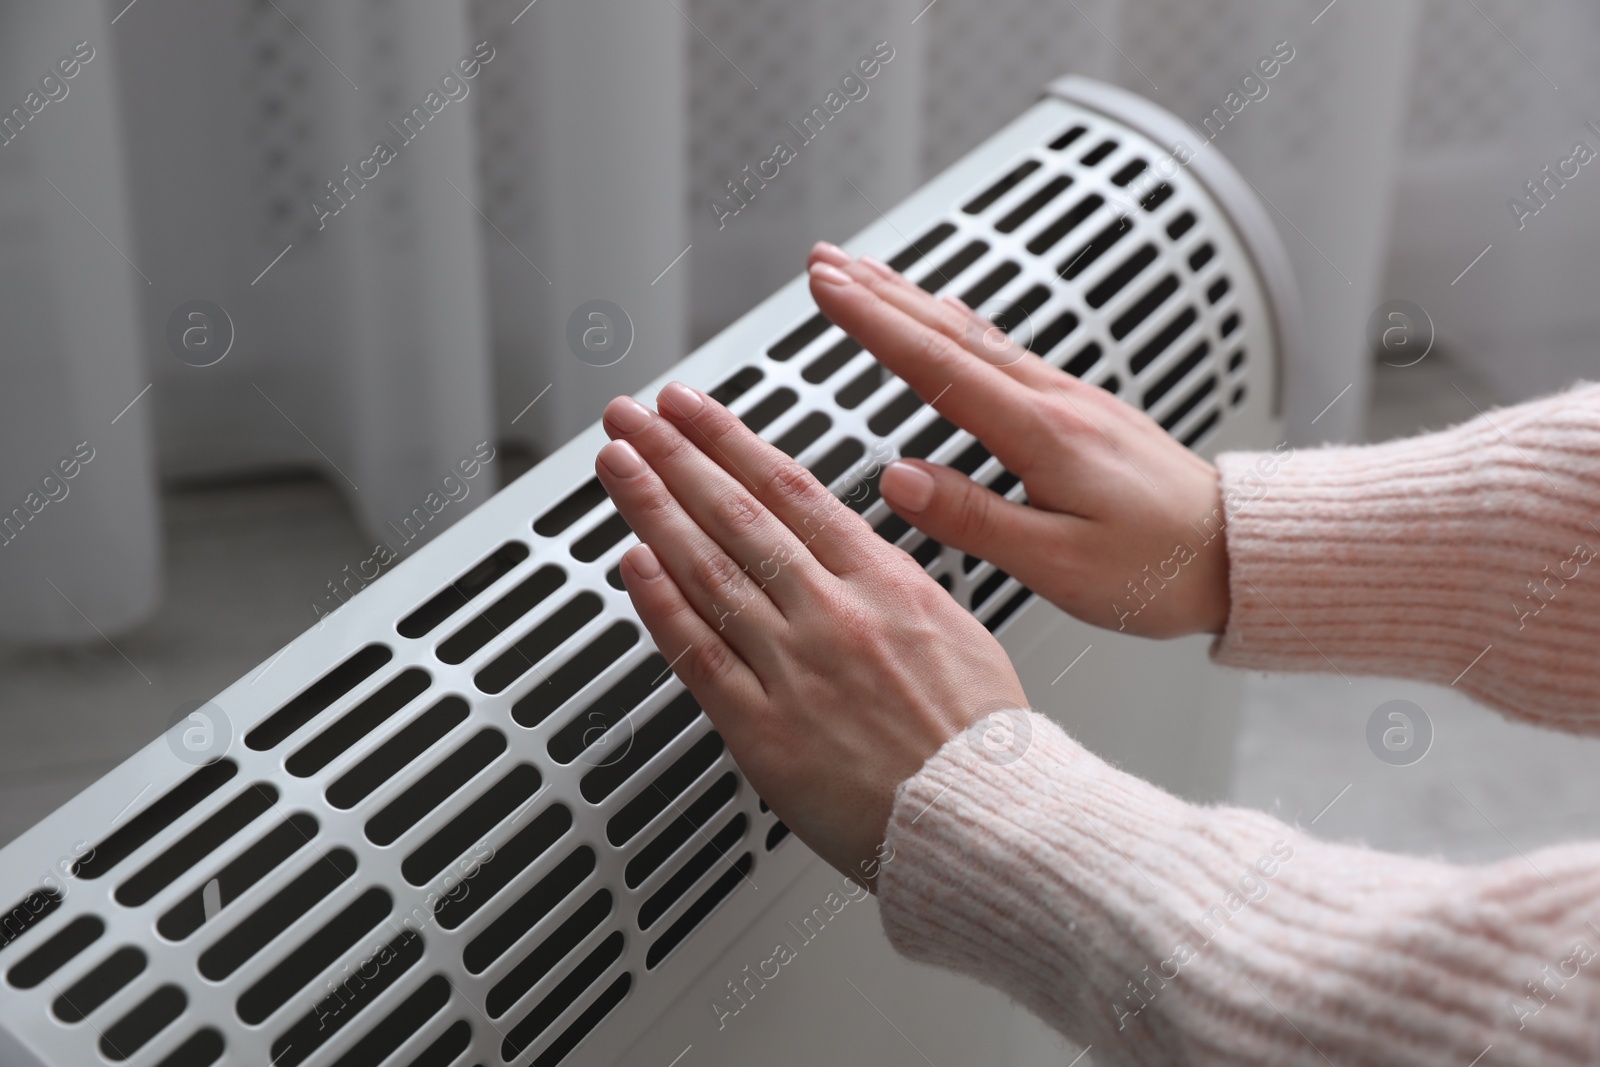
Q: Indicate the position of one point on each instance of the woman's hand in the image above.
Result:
(1123, 525)
(830, 662)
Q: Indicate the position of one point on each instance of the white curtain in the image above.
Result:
(545, 157)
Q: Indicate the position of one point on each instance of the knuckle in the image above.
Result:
(853, 621)
(708, 661)
(736, 513)
(975, 516)
(666, 443)
(653, 500)
(790, 484)
(1065, 422)
(718, 575)
(933, 346)
(718, 423)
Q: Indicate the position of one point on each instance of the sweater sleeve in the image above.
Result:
(1160, 932)
(1468, 557)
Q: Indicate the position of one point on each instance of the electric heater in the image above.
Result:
(472, 817)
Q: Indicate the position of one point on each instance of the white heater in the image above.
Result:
(472, 818)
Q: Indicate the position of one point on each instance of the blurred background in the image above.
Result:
(277, 274)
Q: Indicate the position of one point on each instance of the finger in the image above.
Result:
(730, 602)
(1003, 413)
(954, 510)
(835, 536)
(719, 503)
(953, 318)
(701, 659)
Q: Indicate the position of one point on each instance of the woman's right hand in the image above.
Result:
(1123, 527)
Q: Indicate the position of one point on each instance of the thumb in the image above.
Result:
(954, 510)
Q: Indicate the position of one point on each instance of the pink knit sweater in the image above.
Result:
(1161, 932)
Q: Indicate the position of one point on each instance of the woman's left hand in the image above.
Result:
(830, 662)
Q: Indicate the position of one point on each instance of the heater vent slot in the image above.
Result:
(1098, 153)
(481, 816)
(550, 952)
(1031, 206)
(570, 741)
(433, 788)
(57, 952)
(921, 246)
(295, 900)
(231, 882)
(565, 681)
(528, 910)
(1189, 403)
(26, 913)
(448, 1048)
(138, 830)
(840, 458)
(1068, 137)
(951, 269)
(648, 740)
(802, 335)
(203, 1048)
(504, 612)
(1051, 235)
(357, 723)
(685, 877)
(563, 996)
(644, 808)
(736, 386)
(134, 1030)
(699, 911)
(539, 643)
(83, 997)
(1098, 245)
(319, 697)
(396, 753)
(1015, 314)
(197, 845)
(575, 506)
(410, 1016)
(824, 366)
(507, 862)
(461, 591)
(353, 996)
(676, 833)
(1114, 282)
(1000, 188)
(326, 944)
(774, 404)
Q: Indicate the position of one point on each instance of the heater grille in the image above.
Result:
(473, 815)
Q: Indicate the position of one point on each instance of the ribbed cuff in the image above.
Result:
(1160, 932)
(1467, 557)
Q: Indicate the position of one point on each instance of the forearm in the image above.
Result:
(1467, 557)
(1160, 932)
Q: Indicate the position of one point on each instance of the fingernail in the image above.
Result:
(829, 252)
(909, 487)
(682, 401)
(622, 459)
(958, 303)
(627, 414)
(644, 560)
(827, 272)
(880, 266)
